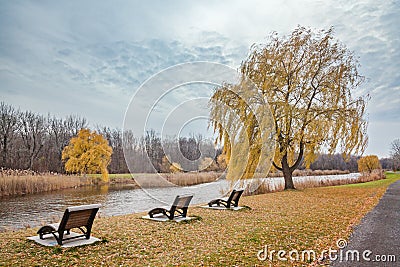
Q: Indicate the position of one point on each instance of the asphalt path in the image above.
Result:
(376, 240)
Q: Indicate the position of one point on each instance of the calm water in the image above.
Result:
(36, 209)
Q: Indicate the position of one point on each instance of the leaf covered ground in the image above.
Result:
(303, 220)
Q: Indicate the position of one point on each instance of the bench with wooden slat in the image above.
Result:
(232, 200)
(80, 217)
(180, 207)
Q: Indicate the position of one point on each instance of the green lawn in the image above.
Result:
(304, 219)
(391, 177)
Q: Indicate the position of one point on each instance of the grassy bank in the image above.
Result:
(312, 218)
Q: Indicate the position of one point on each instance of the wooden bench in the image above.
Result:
(80, 217)
(233, 200)
(180, 206)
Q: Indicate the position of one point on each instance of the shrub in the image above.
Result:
(368, 164)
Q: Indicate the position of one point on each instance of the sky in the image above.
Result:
(90, 57)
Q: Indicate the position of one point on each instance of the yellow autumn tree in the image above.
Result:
(87, 153)
(222, 162)
(308, 79)
(175, 167)
(165, 165)
(368, 164)
(243, 121)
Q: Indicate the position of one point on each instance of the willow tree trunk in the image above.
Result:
(288, 170)
(287, 173)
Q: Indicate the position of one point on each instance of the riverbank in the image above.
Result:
(16, 182)
(312, 219)
(26, 182)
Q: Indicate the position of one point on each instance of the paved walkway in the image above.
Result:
(378, 232)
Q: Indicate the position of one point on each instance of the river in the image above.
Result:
(36, 209)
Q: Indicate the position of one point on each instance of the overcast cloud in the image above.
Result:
(89, 57)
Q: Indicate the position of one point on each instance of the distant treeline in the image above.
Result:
(336, 162)
(33, 141)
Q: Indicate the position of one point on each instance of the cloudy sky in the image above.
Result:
(90, 57)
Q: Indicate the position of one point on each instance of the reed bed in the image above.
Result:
(309, 172)
(270, 185)
(17, 172)
(29, 184)
(21, 182)
(149, 180)
(192, 178)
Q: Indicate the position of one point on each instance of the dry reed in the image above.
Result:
(309, 172)
(269, 185)
(28, 184)
(148, 180)
(192, 178)
(374, 175)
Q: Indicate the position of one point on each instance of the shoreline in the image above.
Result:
(36, 184)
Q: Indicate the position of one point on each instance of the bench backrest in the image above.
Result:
(182, 201)
(234, 197)
(79, 216)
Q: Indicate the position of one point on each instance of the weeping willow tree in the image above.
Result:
(308, 79)
(245, 126)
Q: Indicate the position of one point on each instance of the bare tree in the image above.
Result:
(8, 128)
(74, 124)
(387, 163)
(33, 134)
(59, 136)
(395, 154)
(335, 162)
(114, 138)
(153, 148)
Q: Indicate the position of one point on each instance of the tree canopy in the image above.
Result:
(87, 153)
(369, 163)
(309, 80)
